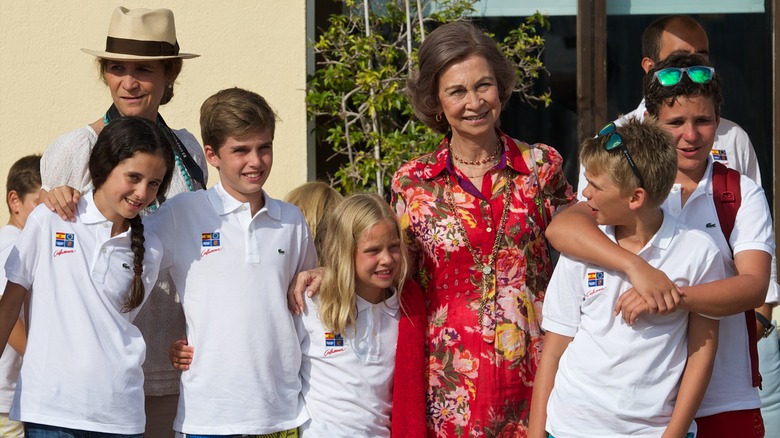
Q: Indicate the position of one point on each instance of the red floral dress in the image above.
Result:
(480, 376)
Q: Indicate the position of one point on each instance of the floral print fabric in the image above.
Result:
(480, 373)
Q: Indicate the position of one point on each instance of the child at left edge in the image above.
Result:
(232, 252)
(598, 375)
(22, 194)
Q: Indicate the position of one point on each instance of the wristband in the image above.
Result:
(768, 327)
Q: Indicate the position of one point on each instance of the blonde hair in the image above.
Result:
(316, 200)
(345, 227)
(653, 151)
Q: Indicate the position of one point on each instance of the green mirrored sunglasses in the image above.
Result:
(701, 74)
(615, 141)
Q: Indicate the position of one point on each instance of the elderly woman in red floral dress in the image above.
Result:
(474, 211)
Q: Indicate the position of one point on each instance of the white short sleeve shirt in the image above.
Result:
(731, 386)
(348, 377)
(615, 379)
(231, 271)
(82, 365)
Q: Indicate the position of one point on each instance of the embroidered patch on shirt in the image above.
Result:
(719, 155)
(65, 244)
(333, 339)
(209, 239)
(595, 279)
(210, 242)
(65, 240)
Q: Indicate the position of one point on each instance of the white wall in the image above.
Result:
(48, 86)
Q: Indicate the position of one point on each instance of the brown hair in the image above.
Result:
(24, 177)
(234, 112)
(453, 42)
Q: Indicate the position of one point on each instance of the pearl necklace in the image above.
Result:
(487, 268)
(489, 159)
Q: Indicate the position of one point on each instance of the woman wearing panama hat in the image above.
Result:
(140, 64)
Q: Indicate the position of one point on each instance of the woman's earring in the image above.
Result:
(438, 117)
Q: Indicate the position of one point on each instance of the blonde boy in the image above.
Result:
(598, 375)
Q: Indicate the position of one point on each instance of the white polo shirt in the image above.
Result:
(82, 365)
(731, 386)
(11, 361)
(231, 271)
(615, 379)
(348, 377)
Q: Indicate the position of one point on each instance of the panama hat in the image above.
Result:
(140, 34)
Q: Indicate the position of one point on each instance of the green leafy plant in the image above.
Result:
(356, 92)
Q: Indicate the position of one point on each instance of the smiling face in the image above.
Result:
(693, 124)
(137, 87)
(244, 165)
(377, 260)
(130, 187)
(469, 98)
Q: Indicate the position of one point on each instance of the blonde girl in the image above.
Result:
(82, 367)
(351, 326)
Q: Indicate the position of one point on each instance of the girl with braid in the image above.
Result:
(82, 369)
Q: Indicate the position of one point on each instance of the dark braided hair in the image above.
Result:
(137, 246)
(120, 140)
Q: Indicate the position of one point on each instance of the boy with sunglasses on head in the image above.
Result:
(690, 111)
(598, 375)
(682, 33)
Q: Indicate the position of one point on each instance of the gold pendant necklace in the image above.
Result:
(487, 268)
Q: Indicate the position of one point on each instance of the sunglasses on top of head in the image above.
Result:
(615, 141)
(701, 74)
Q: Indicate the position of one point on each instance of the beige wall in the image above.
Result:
(48, 86)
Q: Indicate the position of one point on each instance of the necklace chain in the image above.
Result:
(487, 268)
(489, 159)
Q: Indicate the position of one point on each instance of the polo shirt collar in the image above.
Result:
(224, 203)
(661, 239)
(389, 306)
(512, 157)
(88, 210)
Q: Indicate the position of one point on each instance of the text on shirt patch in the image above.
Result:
(64, 240)
(210, 242)
(330, 351)
(595, 279)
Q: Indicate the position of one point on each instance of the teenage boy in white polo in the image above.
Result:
(689, 110)
(232, 251)
(598, 375)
